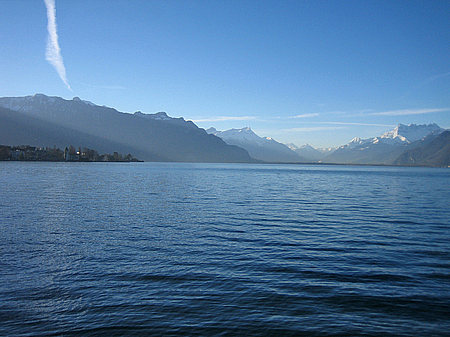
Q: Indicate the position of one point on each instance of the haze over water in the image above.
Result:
(165, 248)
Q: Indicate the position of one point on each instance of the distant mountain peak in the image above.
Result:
(292, 146)
(38, 95)
(262, 148)
(41, 98)
(306, 146)
(243, 133)
(385, 148)
(156, 116)
(309, 152)
(161, 114)
(411, 132)
(247, 130)
(26, 103)
(78, 99)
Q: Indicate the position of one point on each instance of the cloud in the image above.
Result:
(337, 126)
(314, 128)
(306, 115)
(53, 52)
(435, 77)
(224, 118)
(354, 123)
(406, 112)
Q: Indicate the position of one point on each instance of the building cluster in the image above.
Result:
(85, 154)
(30, 153)
(33, 153)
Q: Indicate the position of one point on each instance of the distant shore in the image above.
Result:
(69, 154)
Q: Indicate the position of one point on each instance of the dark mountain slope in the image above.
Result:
(149, 137)
(19, 129)
(366, 154)
(432, 151)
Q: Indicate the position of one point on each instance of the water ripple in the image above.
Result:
(213, 249)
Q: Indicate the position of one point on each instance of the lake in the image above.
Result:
(223, 249)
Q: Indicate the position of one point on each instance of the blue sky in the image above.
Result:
(318, 72)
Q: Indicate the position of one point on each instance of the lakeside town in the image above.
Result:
(69, 154)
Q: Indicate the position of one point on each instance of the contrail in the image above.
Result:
(53, 52)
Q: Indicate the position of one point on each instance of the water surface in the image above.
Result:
(223, 249)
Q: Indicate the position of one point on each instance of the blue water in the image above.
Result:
(212, 249)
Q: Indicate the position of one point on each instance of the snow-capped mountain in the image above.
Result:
(410, 133)
(261, 148)
(309, 152)
(244, 135)
(383, 149)
(400, 135)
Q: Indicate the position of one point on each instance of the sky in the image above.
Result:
(316, 72)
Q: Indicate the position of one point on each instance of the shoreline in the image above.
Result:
(246, 163)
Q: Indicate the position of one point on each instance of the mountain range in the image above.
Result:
(262, 148)
(41, 120)
(310, 153)
(385, 149)
(404, 145)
